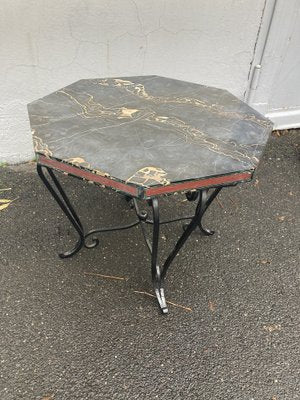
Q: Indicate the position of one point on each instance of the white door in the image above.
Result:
(274, 88)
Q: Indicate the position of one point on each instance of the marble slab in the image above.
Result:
(148, 130)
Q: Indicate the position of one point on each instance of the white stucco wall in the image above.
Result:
(45, 45)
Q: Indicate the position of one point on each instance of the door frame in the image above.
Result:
(277, 22)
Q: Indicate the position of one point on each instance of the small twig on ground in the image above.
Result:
(212, 306)
(118, 278)
(233, 202)
(168, 302)
(3, 190)
(219, 202)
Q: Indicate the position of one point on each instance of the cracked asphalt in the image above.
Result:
(67, 333)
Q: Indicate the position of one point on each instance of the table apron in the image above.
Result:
(146, 193)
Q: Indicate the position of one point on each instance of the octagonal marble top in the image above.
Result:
(148, 130)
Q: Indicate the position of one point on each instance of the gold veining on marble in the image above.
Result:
(80, 162)
(101, 173)
(103, 82)
(93, 109)
(89, 109)
(195, 135)
(127, 112)
(39, 146)
(191, 134)
(177, 125)
(148, 176)
(140, 91)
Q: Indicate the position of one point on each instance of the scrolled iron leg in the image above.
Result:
(203, 198)
(157, 278)
(159, 274)
(204, 201)
(62, 200)
(183, 238)
(195, 222)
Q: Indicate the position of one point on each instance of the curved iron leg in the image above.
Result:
(157, 279)
(66, 207)
(201, 204)
(204, 203)
(183, 238)
(196, 221)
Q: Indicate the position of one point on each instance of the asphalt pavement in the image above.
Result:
(67, 332)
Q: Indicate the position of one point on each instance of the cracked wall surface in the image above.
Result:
(48, 45)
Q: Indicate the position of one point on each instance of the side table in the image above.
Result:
(144, 137)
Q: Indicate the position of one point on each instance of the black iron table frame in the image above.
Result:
(203, 198)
